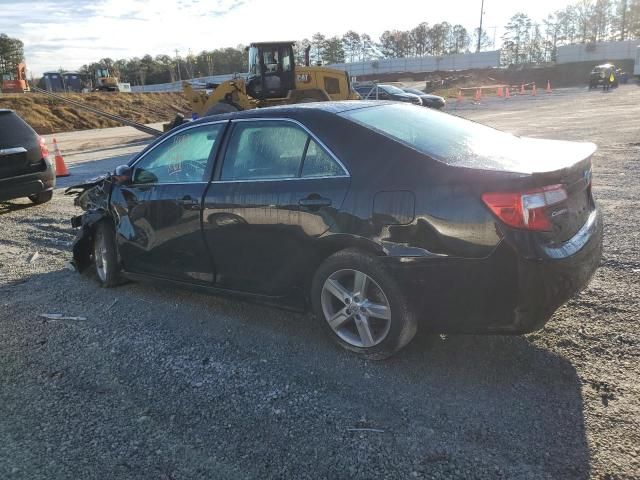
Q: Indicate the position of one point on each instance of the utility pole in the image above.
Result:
(178, 63)
(624, 19)
(480, 29)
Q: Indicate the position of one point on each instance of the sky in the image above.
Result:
(70, 33)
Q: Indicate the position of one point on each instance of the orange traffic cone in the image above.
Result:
(534, 91)
(522, 89)
(548, 87)
(61, 168)
(478, 95)
(507, 94)
(499, 92)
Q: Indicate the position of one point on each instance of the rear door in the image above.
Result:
(19, 147)
(159, 214)
(277, 190)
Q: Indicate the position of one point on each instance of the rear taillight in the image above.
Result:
(525, 209)
(44, 151)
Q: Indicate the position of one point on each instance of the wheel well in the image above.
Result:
(329, 246)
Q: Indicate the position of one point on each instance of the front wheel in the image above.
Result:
(361, 306)
(105, 255)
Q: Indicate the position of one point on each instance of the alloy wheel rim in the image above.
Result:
(100, 254)
(356, 308)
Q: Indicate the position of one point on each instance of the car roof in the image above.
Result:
(300, 109)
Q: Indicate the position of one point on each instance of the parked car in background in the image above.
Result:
(25, 168)
(428, 99)
(386, 92)
(601, 74)
(384, 217)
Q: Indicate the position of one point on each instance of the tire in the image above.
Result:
(105, 255)
(221, 107)
(42, 197)
(388, 325)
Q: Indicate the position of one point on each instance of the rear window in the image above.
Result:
(447, 138)
(13, 130)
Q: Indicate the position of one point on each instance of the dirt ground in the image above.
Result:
(167, 384)
(48, 115)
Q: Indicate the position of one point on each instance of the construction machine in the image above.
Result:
(16, 83)
(273, 79)
(105, 81)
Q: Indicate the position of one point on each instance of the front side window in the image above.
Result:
(181, 158)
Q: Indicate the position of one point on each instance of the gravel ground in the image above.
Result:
(163, 384)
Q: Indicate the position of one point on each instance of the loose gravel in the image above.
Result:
(166, 384)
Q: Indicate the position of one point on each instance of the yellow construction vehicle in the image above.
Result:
(273, 79)
(105, 81)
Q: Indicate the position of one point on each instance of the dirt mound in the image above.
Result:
(48, 115)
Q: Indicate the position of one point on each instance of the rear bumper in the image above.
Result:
(28, 184)
(502, 293)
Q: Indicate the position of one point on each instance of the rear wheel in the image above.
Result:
(105, 255)
(361, 305)
(41, 197)
(221, 107)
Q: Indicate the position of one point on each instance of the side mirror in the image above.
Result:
(122, 174)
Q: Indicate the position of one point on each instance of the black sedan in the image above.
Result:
(384, 217)
(386, 92)
(25, 168)
(428, 99)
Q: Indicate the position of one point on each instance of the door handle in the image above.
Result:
(314, 201)
(190, 203)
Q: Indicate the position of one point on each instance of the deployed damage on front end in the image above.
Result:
(93, 197)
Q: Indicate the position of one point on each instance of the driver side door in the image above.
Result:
(158, 213)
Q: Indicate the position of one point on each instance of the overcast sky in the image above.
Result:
(70, 33)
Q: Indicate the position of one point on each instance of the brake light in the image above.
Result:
(525, 209)
(44, 151)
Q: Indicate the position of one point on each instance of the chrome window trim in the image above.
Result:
(4, 152)
(190, 127)
(309, 132)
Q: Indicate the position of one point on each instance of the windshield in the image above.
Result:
(253, 60)
(391, 89)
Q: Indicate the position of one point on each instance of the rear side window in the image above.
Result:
(272, 150)
(14, 131)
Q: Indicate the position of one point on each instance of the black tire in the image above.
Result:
(221, 107)
(403, 324)
(105, 254)
(42, 197)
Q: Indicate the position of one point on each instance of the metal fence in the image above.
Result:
(598, 52)
(177, 86)
(462, 61)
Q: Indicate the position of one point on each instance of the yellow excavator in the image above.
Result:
(273, 79)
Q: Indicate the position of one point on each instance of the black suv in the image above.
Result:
(25, 168)
(602, 73)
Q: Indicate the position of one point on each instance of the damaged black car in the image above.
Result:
(384, 218)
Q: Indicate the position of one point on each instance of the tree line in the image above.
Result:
(524, 41)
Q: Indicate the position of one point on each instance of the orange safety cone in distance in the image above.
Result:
(522, 89)
(534, 91)
(548, 86)
(506, 92)
(61, 168)
(499, 92)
